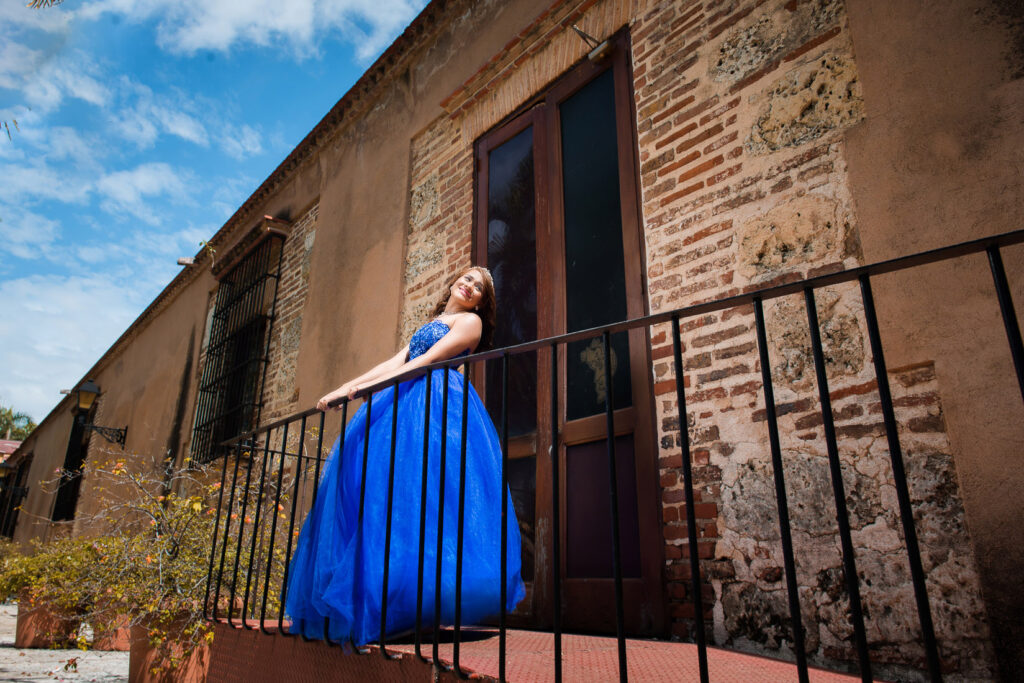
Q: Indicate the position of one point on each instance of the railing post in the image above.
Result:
(461, 518)
(556, 521)
(316, 476)
(357, 578)
(241, 535)
(609, 409)
(691, 515)
(227, 531)
(423, 518)
(255, 528)
(899, 476)
(274, 513)
(439, 557)
(299, 470)
(387, 526)
(799, 649)
(213, 549)
(838, 490)
(1008, 312)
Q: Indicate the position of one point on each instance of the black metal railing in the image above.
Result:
(255, 576)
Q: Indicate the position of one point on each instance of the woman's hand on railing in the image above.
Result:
(348, 389)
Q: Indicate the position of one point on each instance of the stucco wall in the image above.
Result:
(47, 448)
(150, 388)
(937, 161)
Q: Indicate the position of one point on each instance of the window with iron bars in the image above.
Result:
(231, 388)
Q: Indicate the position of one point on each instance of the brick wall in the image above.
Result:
(280, 395)
(439, 236)
(740, 112)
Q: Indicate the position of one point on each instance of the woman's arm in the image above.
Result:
(463, 335)
(369, 377)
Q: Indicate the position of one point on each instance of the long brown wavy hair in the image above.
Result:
(487, 309)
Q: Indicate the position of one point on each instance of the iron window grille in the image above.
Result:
(231, 388)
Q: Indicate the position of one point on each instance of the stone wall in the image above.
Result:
(741, 108)
(440, 227)
(280, 394)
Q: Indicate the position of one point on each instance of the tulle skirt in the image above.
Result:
(337, 571)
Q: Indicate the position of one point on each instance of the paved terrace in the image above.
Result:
(18, 665)
(245, 655)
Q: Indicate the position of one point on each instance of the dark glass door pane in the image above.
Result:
(522, 483)
(512, 259)
(595, 276)
(589, 511)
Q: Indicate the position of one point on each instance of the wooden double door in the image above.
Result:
(557, 224)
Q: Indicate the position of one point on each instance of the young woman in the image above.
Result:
(338, 568)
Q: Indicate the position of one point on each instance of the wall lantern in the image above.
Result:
(85, 395)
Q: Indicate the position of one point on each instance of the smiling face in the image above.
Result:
(467, 291)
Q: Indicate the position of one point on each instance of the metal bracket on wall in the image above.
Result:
(111, 434)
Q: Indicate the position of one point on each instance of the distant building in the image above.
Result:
(690, 152)
(12, 488)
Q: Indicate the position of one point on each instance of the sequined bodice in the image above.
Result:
(427, 336)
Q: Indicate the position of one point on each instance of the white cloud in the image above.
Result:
(16, 62)
(54, 328)
(61, 142)
(182, 125)
(134, 126)
(241, 143)
(25, 234)
(142, 115)
(130, 191)
(15, 15)
(34, 179)
(45, 82)
(187, 26)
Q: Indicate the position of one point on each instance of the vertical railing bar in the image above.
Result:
(459, 528)
(782, 503)
(273, 525)
(691, 514)
(1009, 313)
(838, 490)
(556, 519)
(609, 408)
(213, 550)
(227, 527)
(300, 471)
(241, 535)
(316, 486)
(440, 523)
(423, 519)
(387, 525)
(899, 476)
(357, 579)
(255, 528)
(503, 570)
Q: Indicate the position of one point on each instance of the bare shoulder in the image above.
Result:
(469, 321)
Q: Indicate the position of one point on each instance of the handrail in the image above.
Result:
(848, 275)
(754, 297)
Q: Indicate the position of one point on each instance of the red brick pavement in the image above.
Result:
(246, 655)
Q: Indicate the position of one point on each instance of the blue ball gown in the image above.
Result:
(338, 567)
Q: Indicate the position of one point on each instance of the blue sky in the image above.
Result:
(142, 126)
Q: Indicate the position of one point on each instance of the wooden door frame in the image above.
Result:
(541, 112)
